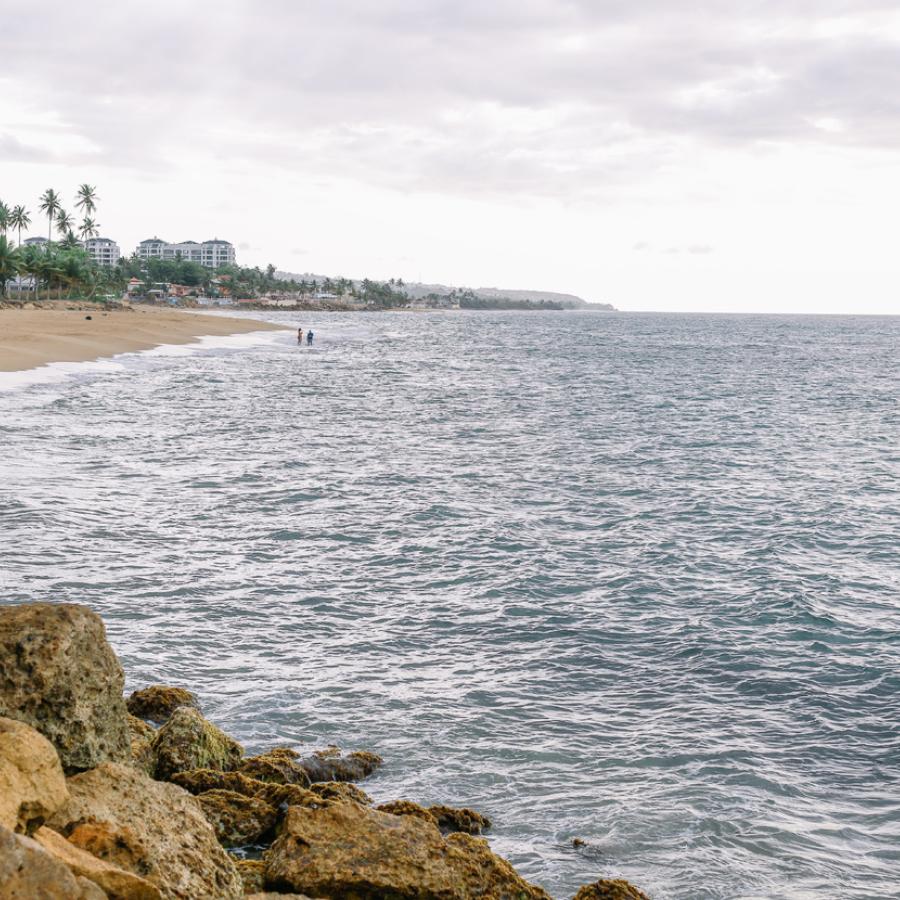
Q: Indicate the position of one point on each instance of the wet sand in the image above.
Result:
(35, 337)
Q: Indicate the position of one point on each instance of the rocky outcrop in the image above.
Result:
(450, 819)
(32, 784)
(59, 675)
(406, 808)
(253, 875)
(348, 850)
(237, 820)
(157, 703)
(331, 765)
(341, 791)
(278, 766)
(188, 741)
(156, 830)
(28, 872)
(141, 736)
(610, 889)
(117, 883)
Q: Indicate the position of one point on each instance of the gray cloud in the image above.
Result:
(567, 98)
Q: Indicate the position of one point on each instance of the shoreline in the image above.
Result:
(31, 338)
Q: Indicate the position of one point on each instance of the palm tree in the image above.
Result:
(89, 228)
(64, 221)
(5, 216)
(86, 199)
(10, 263)
(51, 206)
(70, 242)
(19, 218)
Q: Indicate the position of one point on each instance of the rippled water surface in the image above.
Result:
(628, 578)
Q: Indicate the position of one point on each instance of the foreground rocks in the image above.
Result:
(59, 675)
(154, 830)
(32, 784)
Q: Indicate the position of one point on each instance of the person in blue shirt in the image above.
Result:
(309, 338)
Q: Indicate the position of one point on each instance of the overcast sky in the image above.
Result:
(659, 155)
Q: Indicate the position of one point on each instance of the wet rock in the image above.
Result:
(197, 781)
(156, 830)
(275, 766)
(32, 784)
(59, 675)
(341, 792)
(610, 889)
(331, 765)
(28, 872)
(407, 808)
(158, 702)
(236, 819)
(188, 741)
(450, 819)
(253, 875)
(141, 735)
(282, 796)
(115, 882)
(346, 850)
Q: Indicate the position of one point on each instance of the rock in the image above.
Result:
(188, 741)
(158, 702)
(407, 808)
(28, 872)
(236, 819)
(199, 780)
(282, 796)
(156, 830)
(115, 882)
(271, 896)
(142, 756)
(59, 675)
(610, 889)
(330, 765)
(276, 767)
(347, 850)
(32, 784)
(253, 874)
(341, 791)
(449, 818)
(89, 890)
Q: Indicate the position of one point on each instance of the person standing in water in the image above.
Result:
(299, 335)
(309, 338)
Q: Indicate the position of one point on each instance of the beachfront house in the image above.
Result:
(104, 251)
(210, 254)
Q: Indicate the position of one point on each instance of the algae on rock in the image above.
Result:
(188, 741)
(158, 702)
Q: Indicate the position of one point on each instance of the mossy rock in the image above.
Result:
(236, 819)
(157, 703)
(188, 741)
(610, 889)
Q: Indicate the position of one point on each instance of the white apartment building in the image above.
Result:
(103, 251)
(211, 254)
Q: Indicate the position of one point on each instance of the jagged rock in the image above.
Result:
(188, 741)
(141, 735)
(347, 850)
(341, 792)
(253, 874)
(156, 830)
(199, 780)
(115, 882)
(236, 819)
(59, 675)
(449, 818)
(406, 808)
(275, 766)
(28, 872)
(330, 765)
(158, 702)
(610, 889)
(32, 784)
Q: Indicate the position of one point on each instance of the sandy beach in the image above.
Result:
(35, 337)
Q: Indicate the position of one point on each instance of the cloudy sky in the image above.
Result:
(712, 155)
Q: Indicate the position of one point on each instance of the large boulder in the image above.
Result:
(188, 741)
(158, 702)
(32, 784)
(156, 830)
(348, 850)
(117, 883)
(59, 674)
(236, 819)
(610, 889)
(28, 872)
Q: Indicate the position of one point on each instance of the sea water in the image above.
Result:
(632, 579)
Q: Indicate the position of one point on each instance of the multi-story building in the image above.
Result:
(103, 251)
(34, 241)
(211, 254)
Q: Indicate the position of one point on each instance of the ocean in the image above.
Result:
(627, 578)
